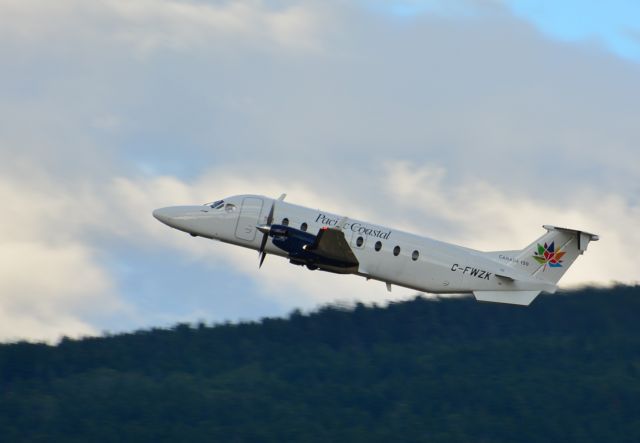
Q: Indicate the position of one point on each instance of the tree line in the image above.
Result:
(565, 369)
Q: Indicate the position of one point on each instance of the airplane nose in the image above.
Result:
(162, 214)
(184, 218)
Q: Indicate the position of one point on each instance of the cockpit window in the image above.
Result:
(230, 207)
(216, 204)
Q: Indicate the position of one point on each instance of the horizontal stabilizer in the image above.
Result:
(583, 237)
(523, 298)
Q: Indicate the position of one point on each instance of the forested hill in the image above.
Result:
(566, 369)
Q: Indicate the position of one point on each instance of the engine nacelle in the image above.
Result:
(299, 245)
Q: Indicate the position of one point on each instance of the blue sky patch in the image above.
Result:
(615, 23)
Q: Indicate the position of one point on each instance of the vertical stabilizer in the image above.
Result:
(549, 257)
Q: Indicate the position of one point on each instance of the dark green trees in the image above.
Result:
(565, 369)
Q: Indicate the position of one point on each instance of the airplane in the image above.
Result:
(324, 241)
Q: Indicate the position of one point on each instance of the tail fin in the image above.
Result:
(549, 257)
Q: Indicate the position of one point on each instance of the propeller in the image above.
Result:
(265, 236)
(266, 229)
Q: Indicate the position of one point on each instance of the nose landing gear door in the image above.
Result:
(248, 218)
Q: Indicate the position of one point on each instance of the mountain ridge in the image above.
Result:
(566, 368)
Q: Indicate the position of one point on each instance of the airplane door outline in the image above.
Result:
(248, 218)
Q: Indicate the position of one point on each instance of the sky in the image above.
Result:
(470, 121)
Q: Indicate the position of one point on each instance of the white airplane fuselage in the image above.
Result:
(385, 254)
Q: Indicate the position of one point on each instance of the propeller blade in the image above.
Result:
(265, 228)
(265, 234)
(270, 216)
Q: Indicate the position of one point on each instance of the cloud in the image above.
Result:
(290, 286)
(478, 215)
(52, 282)
(485, 217)
(472, 128)
(50, 279)
(151, 25)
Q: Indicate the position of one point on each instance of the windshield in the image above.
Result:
(216, 204)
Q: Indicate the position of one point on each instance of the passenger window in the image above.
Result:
(415, 255)
(378, 245)
(359, 242)
(285, 221)
(396, 251)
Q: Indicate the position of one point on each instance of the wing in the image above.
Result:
(331, 244)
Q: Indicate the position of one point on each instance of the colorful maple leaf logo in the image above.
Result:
(548, 256)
